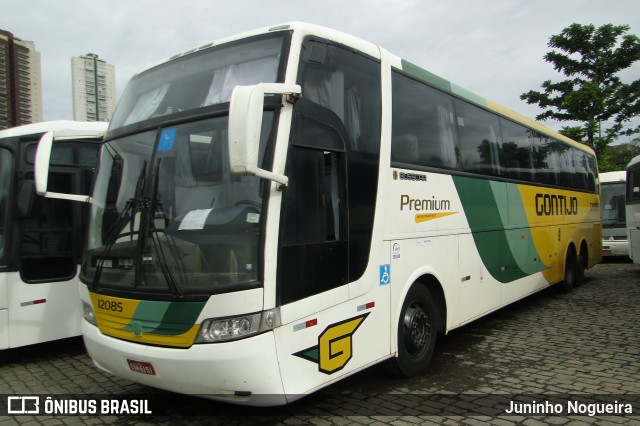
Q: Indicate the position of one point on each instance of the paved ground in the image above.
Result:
(550, 348)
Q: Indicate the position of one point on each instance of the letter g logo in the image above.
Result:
(335, 346)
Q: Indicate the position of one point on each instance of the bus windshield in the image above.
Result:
(199, 80)
(613, 205)
(169, 217)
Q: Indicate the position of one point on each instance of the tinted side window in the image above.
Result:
(423, 131)
(517, 150)
(479, 139)
(348, 84)
(545, 160)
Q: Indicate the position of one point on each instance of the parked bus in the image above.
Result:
(40, 238)
(278, 210)
(614, 226)
(633, 208)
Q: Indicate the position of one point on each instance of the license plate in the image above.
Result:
(142, 367)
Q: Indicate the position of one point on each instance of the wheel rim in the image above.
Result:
(416, 329)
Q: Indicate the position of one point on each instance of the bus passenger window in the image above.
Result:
(422, 126)
(479, 139)
(347, 84)
(517, 151)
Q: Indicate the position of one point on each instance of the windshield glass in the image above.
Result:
(200, 79)
(170, 217)
(613, 205)
(5, 182)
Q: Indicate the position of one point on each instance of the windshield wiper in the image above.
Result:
(131, 205)
(155, 236)
(145, 207)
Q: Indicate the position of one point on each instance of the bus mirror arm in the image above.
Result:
(245, 125)
(41, 167)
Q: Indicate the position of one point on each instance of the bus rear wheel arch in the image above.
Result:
(583, 262)
(417, 328)
(573, 270)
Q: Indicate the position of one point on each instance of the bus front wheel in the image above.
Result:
(417, 332)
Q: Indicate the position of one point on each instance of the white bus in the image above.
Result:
(41, 239)
(614, 226)
(633, 208)
(281, 209)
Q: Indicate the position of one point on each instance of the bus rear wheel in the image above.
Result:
(417, 332)
(572, 272)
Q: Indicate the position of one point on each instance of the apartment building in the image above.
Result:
(20, 82)
(93, 88)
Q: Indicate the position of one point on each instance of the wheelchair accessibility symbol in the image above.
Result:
(385, 274)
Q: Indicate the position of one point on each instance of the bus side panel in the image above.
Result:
(566, 217)
(478, 292)
(4, 313)
(42, 312)
(325, 346)
(634, 245)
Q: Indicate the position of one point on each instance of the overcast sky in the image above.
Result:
(491, 47)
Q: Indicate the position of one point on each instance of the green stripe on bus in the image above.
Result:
(427, 77)
(504, 252)
(442, 84)
(470, 96)
(165, 318)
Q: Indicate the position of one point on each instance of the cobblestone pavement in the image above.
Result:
(549, 348)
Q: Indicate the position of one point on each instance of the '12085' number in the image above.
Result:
(109, 305)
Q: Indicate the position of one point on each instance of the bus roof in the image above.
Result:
(617, 176)
(46, 126)
(303, 29)
(635, 160)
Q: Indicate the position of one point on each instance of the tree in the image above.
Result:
(616, 157)
(592, 92)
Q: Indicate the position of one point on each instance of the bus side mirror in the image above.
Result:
(245, 125)
(43, 158)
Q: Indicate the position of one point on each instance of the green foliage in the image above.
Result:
(616, 157)
(591, 58)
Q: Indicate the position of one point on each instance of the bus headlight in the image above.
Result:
(88, 313)
(215, 330)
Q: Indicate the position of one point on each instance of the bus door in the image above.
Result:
(327, 221)
(6, 184)
(43, 298)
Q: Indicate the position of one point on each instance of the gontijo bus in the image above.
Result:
(278, 210)
(633, 208)
(41, 238)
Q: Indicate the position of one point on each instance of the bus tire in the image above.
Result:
(417, 332)
(582, 266)
(571, 272)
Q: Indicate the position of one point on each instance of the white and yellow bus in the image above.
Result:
(40, 238)
(281, 209)
(633, 208)
(614, 225)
